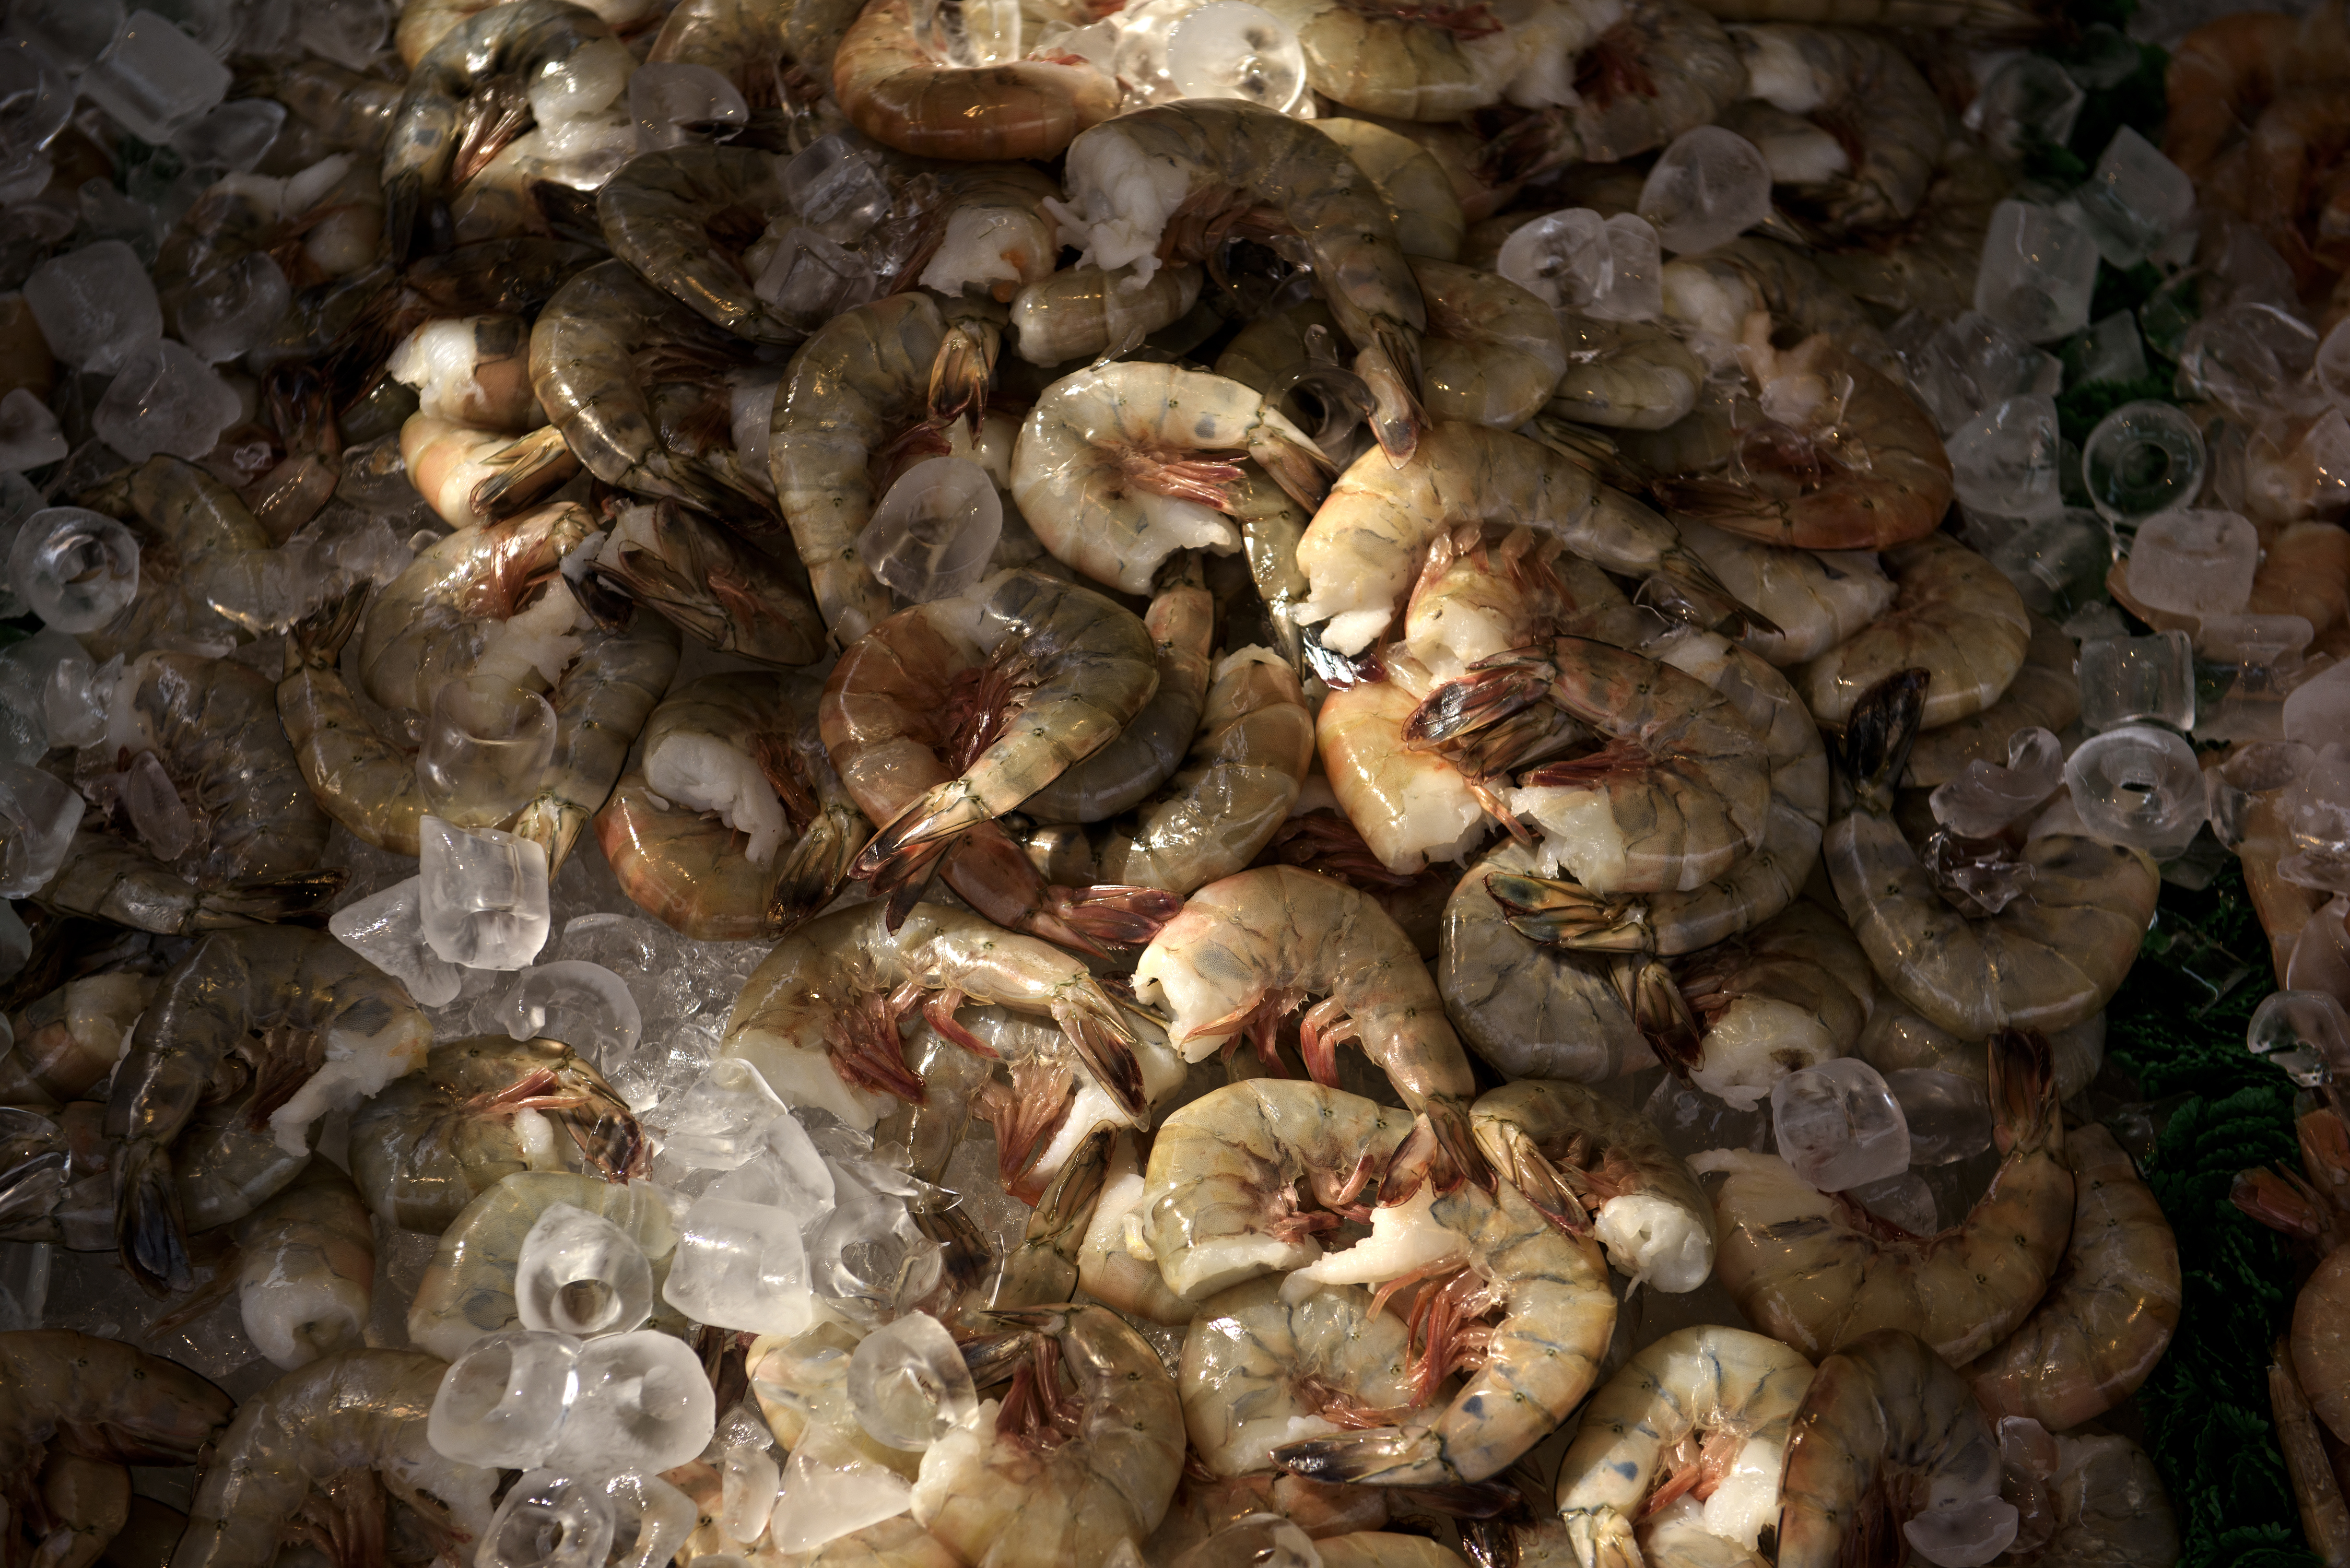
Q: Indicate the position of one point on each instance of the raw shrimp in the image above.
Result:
(1703, 1412)
(1223, 1206)
(189, 525)
(99, 1399)
(2045, 694)
(468, 1289)
(1479, 596)
(2227, 71)
(1203, 1506)
(1661, 67)
(482, 1108)
(726, 593)
(1791, 993)
(861, 382)
(461, 470)
(1955, 615)
(600, 704)
(1081, 312)
(1885, 1428)
(361, 780)
(742, 40)
(818, 1016)
(989, 235)
(1050, 1476)
(1260, 1370)
(332, 1029)
(345, 108)
(584, 353)
(1819, 1272)
(1181, 622)
(1591, 1164)
(1712, 299)
(658, 214)
(895, 93)
(1251, 948)
(1493, 354)
(1044, 1268)
(472, 370)
(306, 1268)
(60, 1180)
(1435, 64)
(66, 1041)
(2110, 1309)
(1115, 468)
(1410, 806)
(1115, 1264)
(1815, 598)
(730, 825)
(1896, 1037)
(82, 1504)
(1881, 114)
(1363, 549)
(1204, 159)
(1420, 194)
(355, 1410)
(1624, 375)
(1930, 263)
(2109, 1506)
(2052, 958)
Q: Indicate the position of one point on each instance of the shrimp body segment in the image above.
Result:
(897, 95)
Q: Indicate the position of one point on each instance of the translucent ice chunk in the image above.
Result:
(1229, 49)
(2037, 273)
(1561, 259)
(2309, 1021)
(2141, 459)
(2059, 562)
(2317, 711)
(811, 278)
(483, 894)
(1903, 1198)
(1962, 1533)
(1974, 362)
(1709, 186)
(909, 1385)
(233, 136)
(837, 187)
(1986, 797)
(486, 741)
(505, 1401)
(2004, 459)
(2194, 562)
(2138, 784)
(2125, 679)
(39, 813)
(742, 1266)
(77, 696)
(2106, 350)
(644, 1404)
(932, 534)
(652, 1520)
(1261, 1540)
(788, 1173)
(228, 310)
(29, 436)
(585, 1005)
(722, 1119)
(158, 815)
(1838, 1125)
(967, 33)
(95, 305)
(1948, 1116)
(549, 1519)
(2134, 200)
(73, 33)
(164, 399)
(2028, 101)
(154, 78)
(75, 569)
(673, 104)
(831, 1489)
(387, 929)
(1636, 276)
(2249, 357)
(580, 1274)
(36, 101)
(349, 32)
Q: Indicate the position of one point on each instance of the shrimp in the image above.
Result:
(1129, 177)
(1410, 806)
(2052, 958)
(1420, 194)
(1896, 1038)
(1251, 948)
(1109, 468)
(61, 1183)
(1791, 993)
(1260, 1370)
(1930, 263)
(658, 214)
(2109, 1506)
(818, 1016)
(742, 40)
(98, 1399)
(1714, 298)
(82, 1504)
(893, 92)
(468, 1289)
(472, 370)
(1422, 65)
(1704, 1412)
(1885, 1428)
(730, 825)
(1814, 598)
(584, 353)
(461, 470)
(1493, 354)
(346, 109)
(2110, 1309)
(1955, 615)
(356, 777)
(1881, 113)
(1363, 549)
(1819, 1272)
(724, 592)
(1661, 67)
(65, 1042)
(1042, 1269)
(189, 524)
(600, 704)
(2045, 694)
(306, 1268)
(1624, 375)
(355, 1410)
(1050, 1476)
(988, 235)
(1589, 1164)
(1115, 1266)
(1082, 312)
(1181, 624)
(482, 1108)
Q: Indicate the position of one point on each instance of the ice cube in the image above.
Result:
(39, 813)
(585, 1005)
(673, 104)
(158, 814)
(2307, 1021)
(749, 1477)
(233, 136)
(659, 1516)
(1974, 362)
(486, 741)
(549, 1519)
(1229, 49)
(1963, 1533)
(2251, 771)
(1948, 1116)
(387, 929)
(2058, 563)
(2194, 562)
(36, 101)
(787, 1173)
(741, 1266)
(2249, 357)
(932, 534)
(2317, 711)
(95, 305)
(2106, 350)
(164, 400)
(967, 32)
(1838, 1125)
(722, 1120)
(1709, 186)
(2139, 784)
(2127, 679)
(1902, 1199)
(2037, 273)
(2314, 809)
(73, 33)
(2141, 459)
(225, 312)
(2027, 102)
(1986, 797)
(644, 1404)
(831, 1489)
(505, 1401)
(483, 894)
(2135, 198)
(154, 78)
(29, 436)
(349, 32)
(580, 1274)
(909, 1385)
(835, 184)
(1562, 259)
(75, 567)
(811, 279)
(2005, 458)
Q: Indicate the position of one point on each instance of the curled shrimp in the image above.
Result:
(1658, 68)
(1793, 991)
(1081, 312)
(1420, 194)
(897, 95)
(474, 370)
(470, 476)
(1181, 625)
(1251, 948)
(1820, 1272)
(2110, 1309)
(1883, 119)
(657, 213)
(1624, 375)
(99, 1399)
(1239, 155)
(306, 1268)
(60, 1172)
(717, 587)
(600, 704)
(2045, 694)
(65, 1042)
(1260, 1370)
(1410, 806)
(1816, 600)
(1954, 615)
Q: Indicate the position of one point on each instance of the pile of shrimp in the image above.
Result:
(1208, 790)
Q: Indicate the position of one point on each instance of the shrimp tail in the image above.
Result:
(1082, 918)
(1390, 369)
(527, 468)
(1685, 588)
(963, 1252)
(1878, 735)
(916, 837)
(1662, 1014)
(812, 869)
(1106, 1045)
(404, 202)
(2024, 1090)
(1567, 916)
(297, 896)
(959, 377)
(1456, 1142)
(316, 641)
(1383, 1455)
(147, 1225)
(1293, 461)
(2283, 1202)
(1496, 689)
